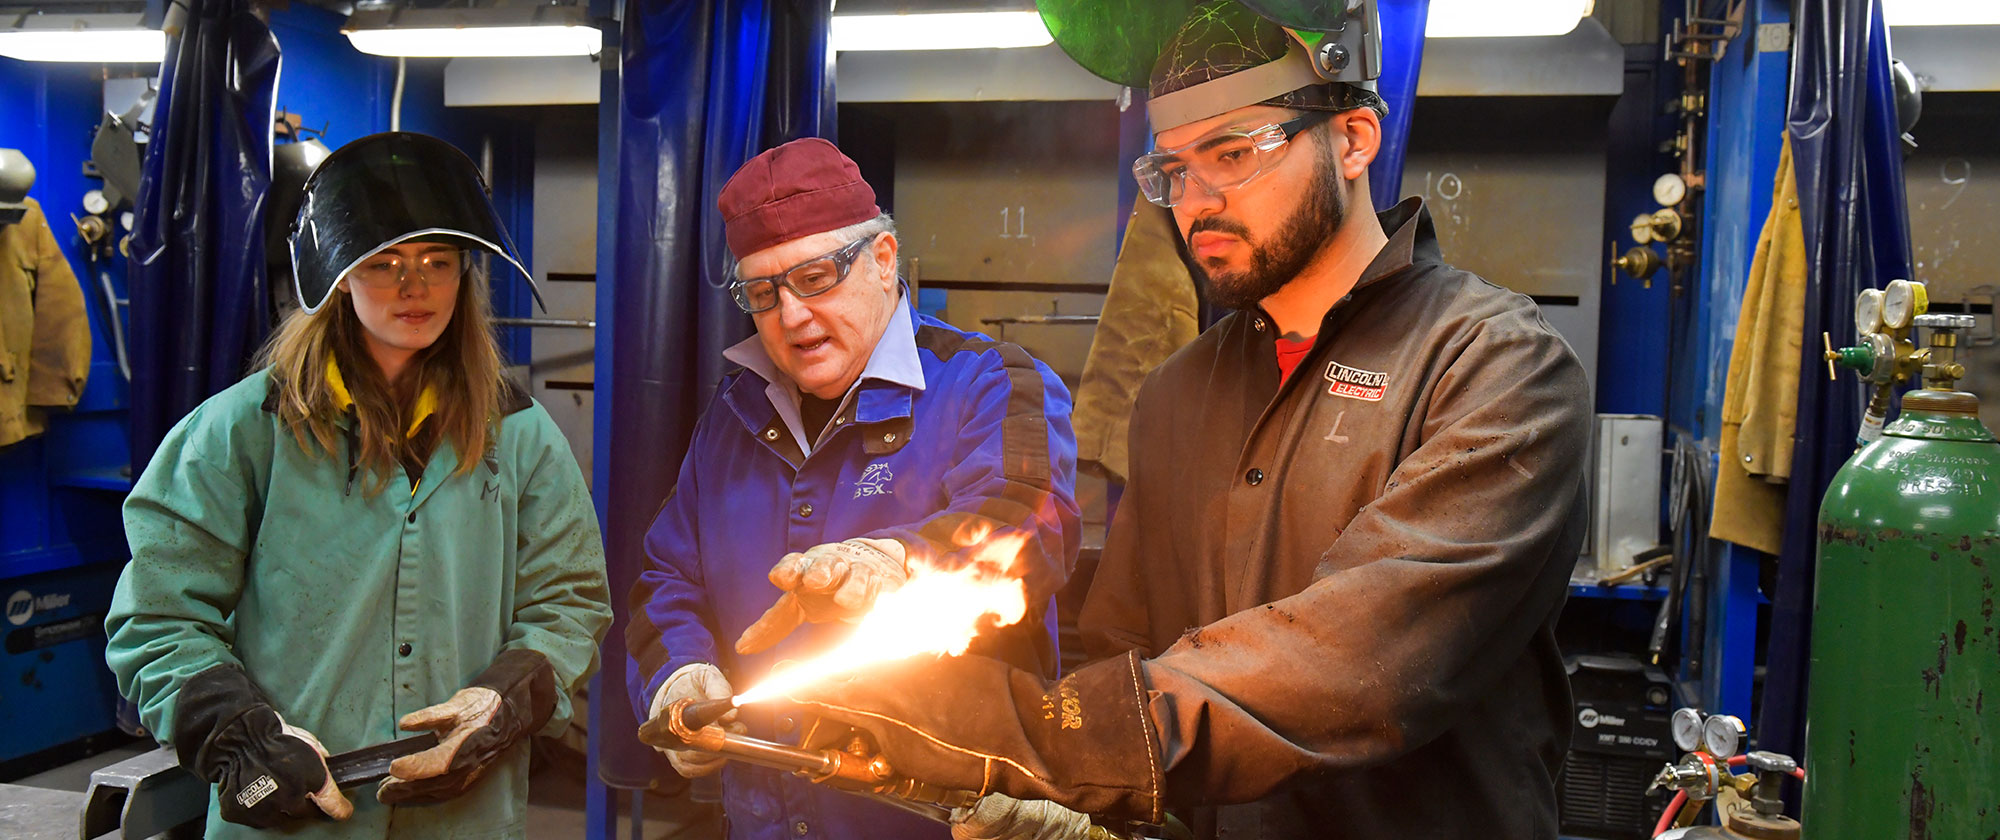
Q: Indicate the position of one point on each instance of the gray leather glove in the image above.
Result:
(830, 582)
(698, 681)
(1000, 817)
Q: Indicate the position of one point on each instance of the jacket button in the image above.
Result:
(1258, 323)
(1255, 477)
(806, 510)
(889, 438)
(800, 828)
(840, 420)
(413, 517)
(770, 434)
(403, 649)
(786, 724)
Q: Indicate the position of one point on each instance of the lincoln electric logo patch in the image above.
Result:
(1355, 383)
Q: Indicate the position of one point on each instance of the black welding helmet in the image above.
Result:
(387, 189)
(1200, 58)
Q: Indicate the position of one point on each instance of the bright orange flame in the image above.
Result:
(936, 611)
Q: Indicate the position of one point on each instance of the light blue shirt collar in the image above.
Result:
(894, 361)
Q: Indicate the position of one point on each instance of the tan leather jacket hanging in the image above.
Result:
(1149, 313)
(44, 332)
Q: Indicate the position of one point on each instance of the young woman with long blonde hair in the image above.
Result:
(374, 534)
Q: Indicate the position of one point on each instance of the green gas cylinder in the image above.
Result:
(1903, 709)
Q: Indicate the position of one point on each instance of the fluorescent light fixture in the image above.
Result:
(940, 31)
(479, 41)
(86, 38)
(1941, 12)
(468, 32)
(1512, 19)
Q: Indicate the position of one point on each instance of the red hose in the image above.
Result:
(1740, 760)
(1667, 816)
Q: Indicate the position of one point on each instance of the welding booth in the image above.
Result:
(1763, 226)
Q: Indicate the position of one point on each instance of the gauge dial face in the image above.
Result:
(1642, 228)
(1687, 730)
(94, 203)
(1868, 312)
(1899, 304)
(1723, 735)
(128, 220)
(1669, 189)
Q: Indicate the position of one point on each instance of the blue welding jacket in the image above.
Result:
(947, 433)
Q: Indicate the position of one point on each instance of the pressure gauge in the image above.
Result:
(1642, 228)
(1881, 349)
(1723, 735)
(1669, 190)
(1902, 302)
(94, 202)
(1868, 312)
(1687, 730)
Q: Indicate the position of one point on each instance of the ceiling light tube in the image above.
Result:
(83, 38)
(463, 32)
(940, 31)
(1941, 12)
(1494, 19)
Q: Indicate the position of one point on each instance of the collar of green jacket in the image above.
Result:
(512, 398)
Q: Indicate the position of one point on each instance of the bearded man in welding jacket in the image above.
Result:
(858, 437)
(1328, 599)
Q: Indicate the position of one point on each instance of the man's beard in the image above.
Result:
(1298, 241)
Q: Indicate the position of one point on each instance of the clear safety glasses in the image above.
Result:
(815, 276)
(388, 270)
(1221, 161)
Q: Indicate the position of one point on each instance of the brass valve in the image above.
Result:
(1640, 263)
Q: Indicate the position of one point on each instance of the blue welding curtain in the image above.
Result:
(1847, 151)
(199, 305)
(1402, 64)
(707, 84)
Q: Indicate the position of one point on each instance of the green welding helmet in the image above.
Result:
(387, 189)
(1200, 58)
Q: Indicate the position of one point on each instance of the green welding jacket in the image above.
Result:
(350, 610)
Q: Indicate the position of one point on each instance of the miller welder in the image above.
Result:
(1621, 735)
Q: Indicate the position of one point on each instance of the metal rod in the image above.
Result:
(565, 323)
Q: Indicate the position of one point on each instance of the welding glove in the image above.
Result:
(831, 582)
(509, 701)
(696, 681)
(1000, 817)
(974, 723)
(268, 772)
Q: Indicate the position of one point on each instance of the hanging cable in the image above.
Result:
(396, 100)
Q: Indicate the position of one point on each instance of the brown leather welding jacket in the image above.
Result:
(44, 332)
(1347, 585)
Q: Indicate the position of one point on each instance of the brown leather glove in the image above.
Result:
(979, 724)
(509, 701)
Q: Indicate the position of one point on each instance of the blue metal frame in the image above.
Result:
(600, 807)
(1747, 90)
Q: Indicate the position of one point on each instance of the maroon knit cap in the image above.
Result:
(793, 191)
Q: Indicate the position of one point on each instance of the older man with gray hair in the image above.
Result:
(858, 436)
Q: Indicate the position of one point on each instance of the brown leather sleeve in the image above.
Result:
(60, 360)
